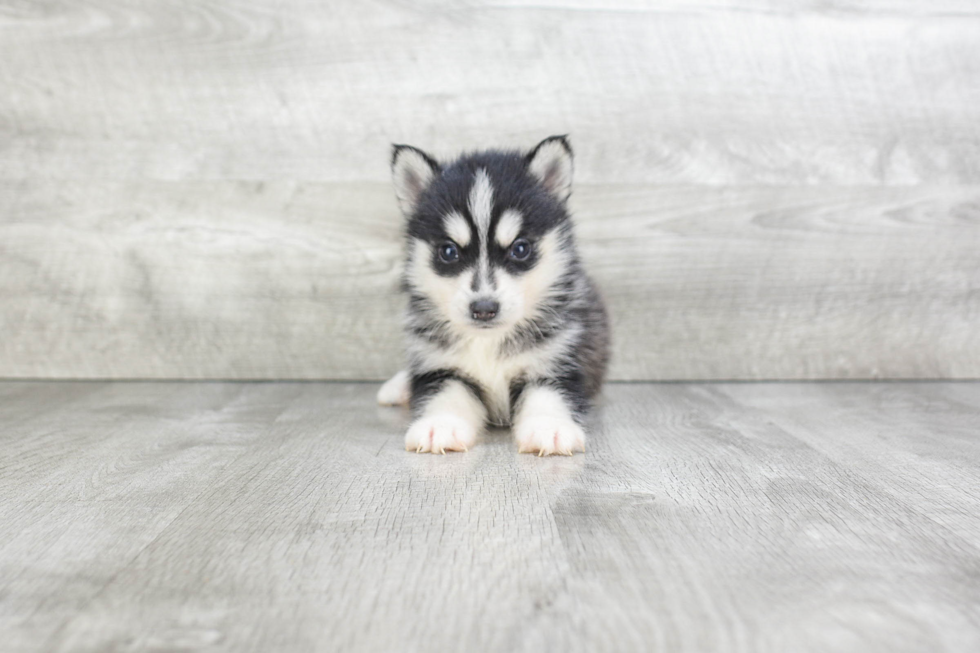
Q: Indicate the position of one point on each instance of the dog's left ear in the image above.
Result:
(551, 163)
(412, 170)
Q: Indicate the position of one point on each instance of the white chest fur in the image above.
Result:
(479, 359)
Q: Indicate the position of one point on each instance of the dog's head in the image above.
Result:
(489, 240)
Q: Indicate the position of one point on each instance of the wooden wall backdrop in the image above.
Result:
(765, 188)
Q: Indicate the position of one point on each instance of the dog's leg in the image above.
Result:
(396, 391)
(450, 416)
(544, 423)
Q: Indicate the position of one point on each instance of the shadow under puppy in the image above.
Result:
(503, 325)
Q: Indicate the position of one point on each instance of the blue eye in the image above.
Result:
(448, 252)
(520, 250)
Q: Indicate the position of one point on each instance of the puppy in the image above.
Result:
(503, 324)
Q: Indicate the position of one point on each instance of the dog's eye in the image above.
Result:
(520, 250)
(448, 252)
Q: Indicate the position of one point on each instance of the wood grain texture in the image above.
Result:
(198, 280)
(759, 92)
(897, 449)
(298, 280)
(766, 189)
(287, 517)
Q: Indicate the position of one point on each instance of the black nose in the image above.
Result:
(484, 309)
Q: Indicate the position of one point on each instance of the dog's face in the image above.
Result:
(487, 234)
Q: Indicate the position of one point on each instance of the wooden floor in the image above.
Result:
(287, 517)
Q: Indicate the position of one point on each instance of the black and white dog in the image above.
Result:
(503, 324)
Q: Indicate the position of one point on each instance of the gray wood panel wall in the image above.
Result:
(764, 189)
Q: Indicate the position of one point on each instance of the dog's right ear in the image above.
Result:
(412, 171)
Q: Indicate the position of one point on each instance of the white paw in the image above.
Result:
(440, 433)
(396, 391)
(546, 435)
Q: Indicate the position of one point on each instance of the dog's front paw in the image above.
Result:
(440, 433)
(547, 435)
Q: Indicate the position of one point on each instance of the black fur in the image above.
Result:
(513, 188)
(426, 384)
(574, 302)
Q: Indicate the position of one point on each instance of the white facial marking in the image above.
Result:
(481, 206)
(439, 290)
(520, 296)
(457, 229)
(509, 226)
(536, 284)
(451, 296)
(481, 203)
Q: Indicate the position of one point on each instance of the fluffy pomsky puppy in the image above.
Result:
(503, 325)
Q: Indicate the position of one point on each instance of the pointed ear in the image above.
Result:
(550, 162)
(412, 171)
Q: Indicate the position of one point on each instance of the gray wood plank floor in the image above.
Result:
(287, 517)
